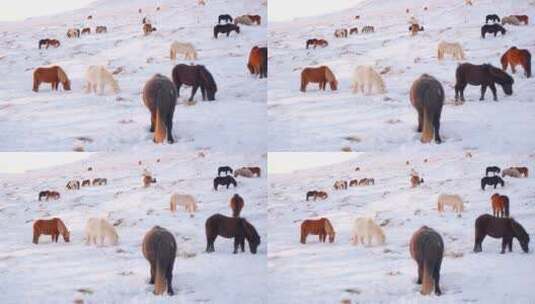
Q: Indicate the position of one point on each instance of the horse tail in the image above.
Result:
(162, 264)
(427, 279)
(160, 132)
(427, 132)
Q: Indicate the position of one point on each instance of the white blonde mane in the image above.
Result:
(364, 228)
(365, 77)
(97, 77)
(98, 230)
(453, 48)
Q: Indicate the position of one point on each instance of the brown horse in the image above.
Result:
(500, 205)
(354, 182)
(159, 96)
(53, 75)
(86, 182)
(427, 249)
(236, 204)
(53, 227)
(256, 170)
(316, 42)
(524, 171)
(257, 64)
(321, 227)
(504, 228)
(514, 57)
(320, 75)
(53, 42)
(148, 28)
(354, 30)
(231, 227)
(255, 18)
(101, 29)
(47, 195)
(86, 30)
(484, 75)
(159, 248)
(366, 181)
(196, 76)
(321, 195)
(522, 18)
(427, 97)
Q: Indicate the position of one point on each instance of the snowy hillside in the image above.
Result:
(331, 121)
(63, 121)
(328, 273)
(55, 272)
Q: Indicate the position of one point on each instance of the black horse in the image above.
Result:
(43, 194)
(225, 181)
(491, 180)
(493, 29)
(196, 76)
(499, 227)
(43, 42)
(225, 17)
(231, 227)
(224, 169)
(312, 194)
(225, 29)
(493, 169)
(484, 75)
(492, 17)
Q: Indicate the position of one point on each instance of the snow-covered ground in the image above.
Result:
(55, 121)
(330, 272)
(53, 272)
(331, 121)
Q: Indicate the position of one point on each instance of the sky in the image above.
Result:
(288, 162)
(22, 9)
(285, 10)
(20, 162)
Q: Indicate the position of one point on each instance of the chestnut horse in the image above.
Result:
(522, 18)
(159, 96)
(427, 97)
(427, 249)
(500, 205)
(53, 75)
(321, 195)
(524, 171)
(316, 42)
(504, 228)
(159, 248)
(255, 18)
(321, 227)
(258, 62)
(256, 170)
(236, 204)
(86, 30)
(320, 75)
(53, 227)
(514, 57)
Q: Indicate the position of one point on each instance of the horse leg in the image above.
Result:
(242, 245)
(193, 91)
(237, 242)
(504, 244)
(510, 244)
(478, 242)
(170, 129)
(203, 93)
(436, 276)
(169, 277)
(178, 89)
(493, 89)
(436, 125)
(483, 90)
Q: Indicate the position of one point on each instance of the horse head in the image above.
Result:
(503, 79)
(521, 235)
(251, 235)
(208, 82)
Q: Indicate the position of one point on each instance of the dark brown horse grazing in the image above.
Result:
(493, 29)
(53, 42)
(86, 30)
(53, 75)
(255, 18)
(491, 180)
(196, 76)
(101, 29)
(427, 97)
(321, 227)
(427, 249)
(53, 227)
(504, 228)
(316, 42)
(500, 205)
(514, 57)
(159, 96)
(231, 227)
(225, 29)
(484, 75)
(236, 204)
(354, 30)
(321, 75)
(522, 18)
(159, 248)
(258, 62)
(321, 195)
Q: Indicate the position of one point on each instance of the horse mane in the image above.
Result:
(207, 79)
(61, 226)
(250, 232)
(519, 230)
(63, 77)
(330, 77)
(328, 227)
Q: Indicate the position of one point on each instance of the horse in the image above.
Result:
(96, 76)
(416, 181)
(366, 181)
(368, 29)
(510, 20)
(415, 28)
(148, 180)
(44, 194)
(244, 19)
(183, 48)
(231, 227)
(226, 29)
(512, 172)
(492, 17)
(255, 18)
(225, 181)
(224, 169)
(514, 57)
(500, 205)
(100, 181)
(73, 185)
(186, 200)
(53, 227)
(257, 63)
(236, 204)
(86, 183)
(73, 33)
(340, 33)
(100, 29)
(493, 169)
(148, 28)
(366, 77)
(321, 195)
(522, 18)
(340, 185)
(53, 75)
(320, 75)
(491, 180)
(493, 29)
(159, 96)
(366, 228)
(256, 170)
(53, 42)
(453, 200)
(196, 76)
(484, 75)
(245, 172)
(312, 193)
(427, 249)
(524, 171)
(427, 97)
(53, 195)
(354, 183)
(353, 30)
(100, 229)
(43, 42)
(225, 17)
(504, 228)
(159, 248)
(86, 30)
(321, 227)
(316, 42)
(453, 48)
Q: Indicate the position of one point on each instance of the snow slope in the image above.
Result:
(330, 121)
(53, 272)
(55, 121)
(328, 273)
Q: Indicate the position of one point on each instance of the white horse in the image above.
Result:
(452, 200)
(245, 172)
(512, 172)
(510, 20)
(366, 228)
(183, 48)
(98, 76)
(366, 76)
(187, 201)
(453, 48)
(99, 229)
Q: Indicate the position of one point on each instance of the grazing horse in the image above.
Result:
(353, 30)
(491, 180)
(504, 228)
(492, 17)
(101, 29)
(500, 205)
(493, 29)
(236, 204)
(320, 75)
(86, 30)
(53, 227)
(340, 185)
(148, 28)
(100, 181)
(524, 171)
(43, 42)
(53, 42)
(364, 228)
(97, 76)
(255, 18)
(226, 29)
(186, 200)
(225, 17)
(512, 172)
(312, 194)
(340, 33)
(316, 42)
(225, 181)
(196, 76)
(522, 18)
(256, 170)
(368, 29)
(494, 169)
(321, 195)
(183, 48)
(427, 249)
(159, 96)
(366, 181)
(453, 48)
(415, 28)
(510, 20)
(100, 229)
(321, 227)
(258, 62)
(73, 33)
(231, 227)
(514, 57)
(53, 75)
(427, 97)
(159, 248)
(53, 195)
(416, 181)
(244, 19)
(365, 76)
(86, 183)
(244, 171)
(73, 185)
(224, 169)
(484, 75)
(354, 183)
(453, 200)
(44, 194)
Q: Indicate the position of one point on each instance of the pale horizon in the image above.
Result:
(22, 9)
(281, 10)
(21, 162)
(288, 162)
